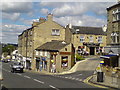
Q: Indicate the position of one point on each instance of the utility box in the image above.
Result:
(99, 76)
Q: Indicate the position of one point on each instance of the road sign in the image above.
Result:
(101, 62)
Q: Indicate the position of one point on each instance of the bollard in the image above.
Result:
(99, 76)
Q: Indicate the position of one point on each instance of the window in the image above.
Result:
(41, 53)
(100, 39)
(116, 14)
(64, 61)
(115, 37)
(55, 32)
(91, 38)
(36, 52)
(82, 38)
(45, 53)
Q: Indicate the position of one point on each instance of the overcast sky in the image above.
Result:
(18, 16)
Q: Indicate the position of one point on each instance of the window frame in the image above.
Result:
(55, 32)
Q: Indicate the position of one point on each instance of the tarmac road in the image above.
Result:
(35, 80)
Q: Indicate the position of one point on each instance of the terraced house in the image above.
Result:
(41, 32)
(48, 43)
(88, 40)
(113, 36)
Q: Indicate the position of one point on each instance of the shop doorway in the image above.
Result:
(28, 64)
(92, 50)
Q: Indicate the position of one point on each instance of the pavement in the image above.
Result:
(1, 78)
(109, 80)
(84, 65)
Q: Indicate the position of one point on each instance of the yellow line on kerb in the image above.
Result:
(87, 82)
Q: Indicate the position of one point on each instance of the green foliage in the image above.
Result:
(8, 49)
(79, 57)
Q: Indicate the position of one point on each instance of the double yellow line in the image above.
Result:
(87, 82)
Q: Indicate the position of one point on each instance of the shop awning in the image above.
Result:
(108, 56)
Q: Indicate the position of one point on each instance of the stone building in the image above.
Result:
(87, 40)
(40, 33)
(113, 34)
(45, 31)
(58, 53)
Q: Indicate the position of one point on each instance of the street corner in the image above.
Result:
(87, 81)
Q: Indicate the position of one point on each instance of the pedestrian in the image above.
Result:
(53, 68)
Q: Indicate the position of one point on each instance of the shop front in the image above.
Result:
(28, 63)
(110, 60)
(92, 47)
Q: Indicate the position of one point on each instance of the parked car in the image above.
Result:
(17, 66)
(6, 60)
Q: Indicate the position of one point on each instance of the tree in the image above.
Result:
(8, 49)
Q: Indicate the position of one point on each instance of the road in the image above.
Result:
(35, 80)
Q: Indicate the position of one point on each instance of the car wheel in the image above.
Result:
(21, 71)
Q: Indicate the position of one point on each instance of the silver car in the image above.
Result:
(17, 67)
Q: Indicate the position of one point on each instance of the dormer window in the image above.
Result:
(55, 32)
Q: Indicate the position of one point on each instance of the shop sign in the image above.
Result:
(101, 62)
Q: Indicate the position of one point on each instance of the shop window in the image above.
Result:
(64, 61)
(41, 53)
(65, 49)
(36, 52)
(45, 53)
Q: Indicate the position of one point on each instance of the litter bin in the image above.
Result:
(99, 76)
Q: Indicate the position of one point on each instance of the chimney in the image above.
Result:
(70, 26)
(41, 20)
(50, 17)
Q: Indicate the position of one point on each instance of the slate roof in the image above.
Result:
(115, 5)
(54, 45)
(87, 30)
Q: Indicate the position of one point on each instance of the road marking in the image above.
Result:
(72, 78)
(53, 87)
(18, 74)
(9, 71)
(80, 79)
(69, 77)
(27, 77)
(77, 78)
(66, 77)
(5, 70)
(79, 75)
(38, 81)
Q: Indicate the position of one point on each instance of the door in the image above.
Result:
(92, 50)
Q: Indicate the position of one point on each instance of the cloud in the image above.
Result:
(28, 22)
(11, 16)
(44, 11)
(10, 32)
(70, 9)
(60, 9)
(83, 20)
(16, 7)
